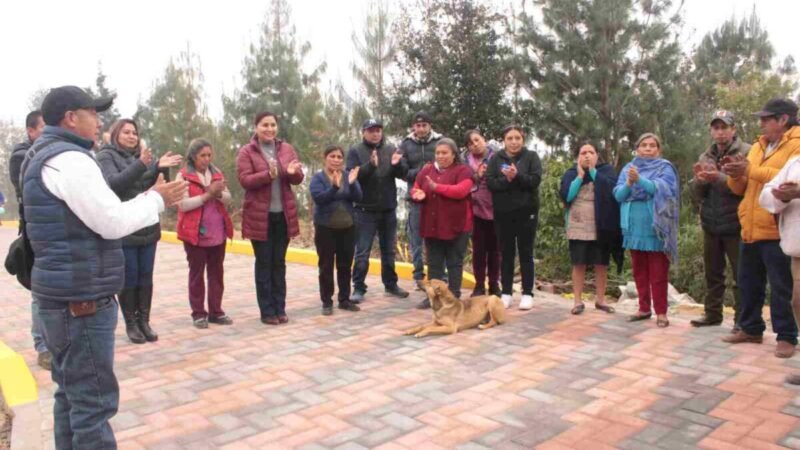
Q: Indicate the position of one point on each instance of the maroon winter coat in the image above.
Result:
(253, 172)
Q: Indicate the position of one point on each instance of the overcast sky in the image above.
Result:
(55, 42)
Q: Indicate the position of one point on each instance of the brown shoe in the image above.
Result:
(793, 378)
(741, 337)
(784, 349)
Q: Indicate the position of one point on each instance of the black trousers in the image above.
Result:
(450, 254)
(516, 231)
(337, 245)
(270, 267)
(715, 249)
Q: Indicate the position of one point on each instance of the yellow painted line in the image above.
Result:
(18, 384)
(298, 255)
(309, 258)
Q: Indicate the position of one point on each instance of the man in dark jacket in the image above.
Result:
(379, 164)
(33, 128)
(75, 222)
(718, 214)
(418, 149)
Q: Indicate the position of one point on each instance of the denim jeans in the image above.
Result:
(447, 254)
(516, 231)
(36, 327)
(384, 223)
(270, 268)
(139, 264)
(415, 240)
(87, 396)
(759, 262)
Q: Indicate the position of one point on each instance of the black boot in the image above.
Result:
(128, 299)
(145, 301)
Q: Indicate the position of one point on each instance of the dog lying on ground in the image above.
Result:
(451, 315)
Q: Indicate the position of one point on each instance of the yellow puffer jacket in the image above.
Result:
(757, 223)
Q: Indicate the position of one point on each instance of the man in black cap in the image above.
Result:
(34, 125)
(74, 222)
(379, 164)
(718, 215)
(418, 149)
(760, 254)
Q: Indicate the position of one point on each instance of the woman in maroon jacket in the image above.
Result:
(267, 168)
(443, 188)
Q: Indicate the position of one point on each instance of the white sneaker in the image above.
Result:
(526, 302)
(506, 299)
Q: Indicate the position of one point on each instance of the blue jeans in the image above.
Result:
(139, 264)
(36, 327)
(87, 396)
(367, 224)
(415, 240)
(760, 262)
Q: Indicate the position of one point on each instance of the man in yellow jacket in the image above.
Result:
(760, 257)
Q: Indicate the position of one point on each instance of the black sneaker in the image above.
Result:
(495, 290)
(418, 285)
(349, 306)
(706, 321)
(357, 297)
(425, 304)
(395, 291)
(327, 310)
(220, 320)
(478, 291)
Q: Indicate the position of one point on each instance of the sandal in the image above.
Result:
(638, 316)
(606, 308)
(577, 309)
(662, 323)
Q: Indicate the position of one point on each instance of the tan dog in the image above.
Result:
(451, 315)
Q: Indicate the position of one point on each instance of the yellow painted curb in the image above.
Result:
(18, 384)
(309, 258)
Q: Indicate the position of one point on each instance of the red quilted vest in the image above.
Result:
(189, 221)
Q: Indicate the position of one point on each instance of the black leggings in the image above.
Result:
(516, 231)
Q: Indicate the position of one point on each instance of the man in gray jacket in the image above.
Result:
(718, 214)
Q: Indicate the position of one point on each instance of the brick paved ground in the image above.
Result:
(546, 379)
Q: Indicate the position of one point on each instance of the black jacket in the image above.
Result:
(15, 165)
(521, 193)
(377, 183)
(718, 205)
(416, 154)
(128, 177)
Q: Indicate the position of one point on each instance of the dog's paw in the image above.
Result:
(420, 335)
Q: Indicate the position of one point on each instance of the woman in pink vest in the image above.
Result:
(203, 226)
(443, 188)
(267, 169)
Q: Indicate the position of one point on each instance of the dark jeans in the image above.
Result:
(368, 223)
(759, 262)
(338, 245)
(271, 267)
(204, 260)
(139, 263)
(517, 233)
(83, 369)
(415, 240)
(485, 252)
(715, 249)
(36, 327)
(450, 254)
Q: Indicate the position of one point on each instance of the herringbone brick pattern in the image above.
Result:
(545, 379)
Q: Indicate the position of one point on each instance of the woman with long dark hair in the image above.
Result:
(267, 168)
(203, 226)
(513, 176)
(130, 169)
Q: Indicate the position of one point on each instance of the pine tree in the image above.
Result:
(453, 63)
(376, 49)
(100, 90)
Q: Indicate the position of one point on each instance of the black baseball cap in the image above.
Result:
(778, 107)
(422, 117)
(371, 123)
(723, 115)
(70, 98)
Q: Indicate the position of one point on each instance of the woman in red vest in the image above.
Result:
(443, 188)
(203, 225)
